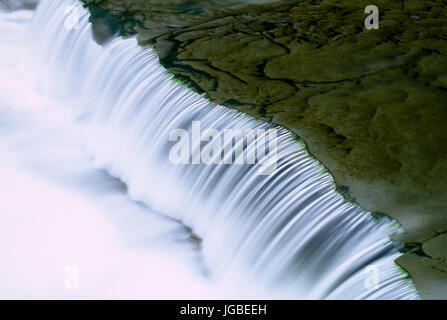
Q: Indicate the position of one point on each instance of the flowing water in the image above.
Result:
(287, 234)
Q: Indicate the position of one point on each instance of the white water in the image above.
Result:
(286, 235)
(58, 211)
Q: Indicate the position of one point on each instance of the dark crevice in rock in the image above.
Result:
(415, 248)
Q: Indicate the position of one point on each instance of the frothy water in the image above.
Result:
(61, 218)
(283, 235)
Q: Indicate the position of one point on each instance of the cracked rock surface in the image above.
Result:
(371, 105)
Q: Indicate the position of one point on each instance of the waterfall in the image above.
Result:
(287, 234)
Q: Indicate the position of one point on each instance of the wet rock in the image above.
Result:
(102, 30)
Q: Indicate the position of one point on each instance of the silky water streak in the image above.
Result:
(288, 234)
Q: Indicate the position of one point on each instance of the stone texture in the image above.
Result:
(371, 105)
